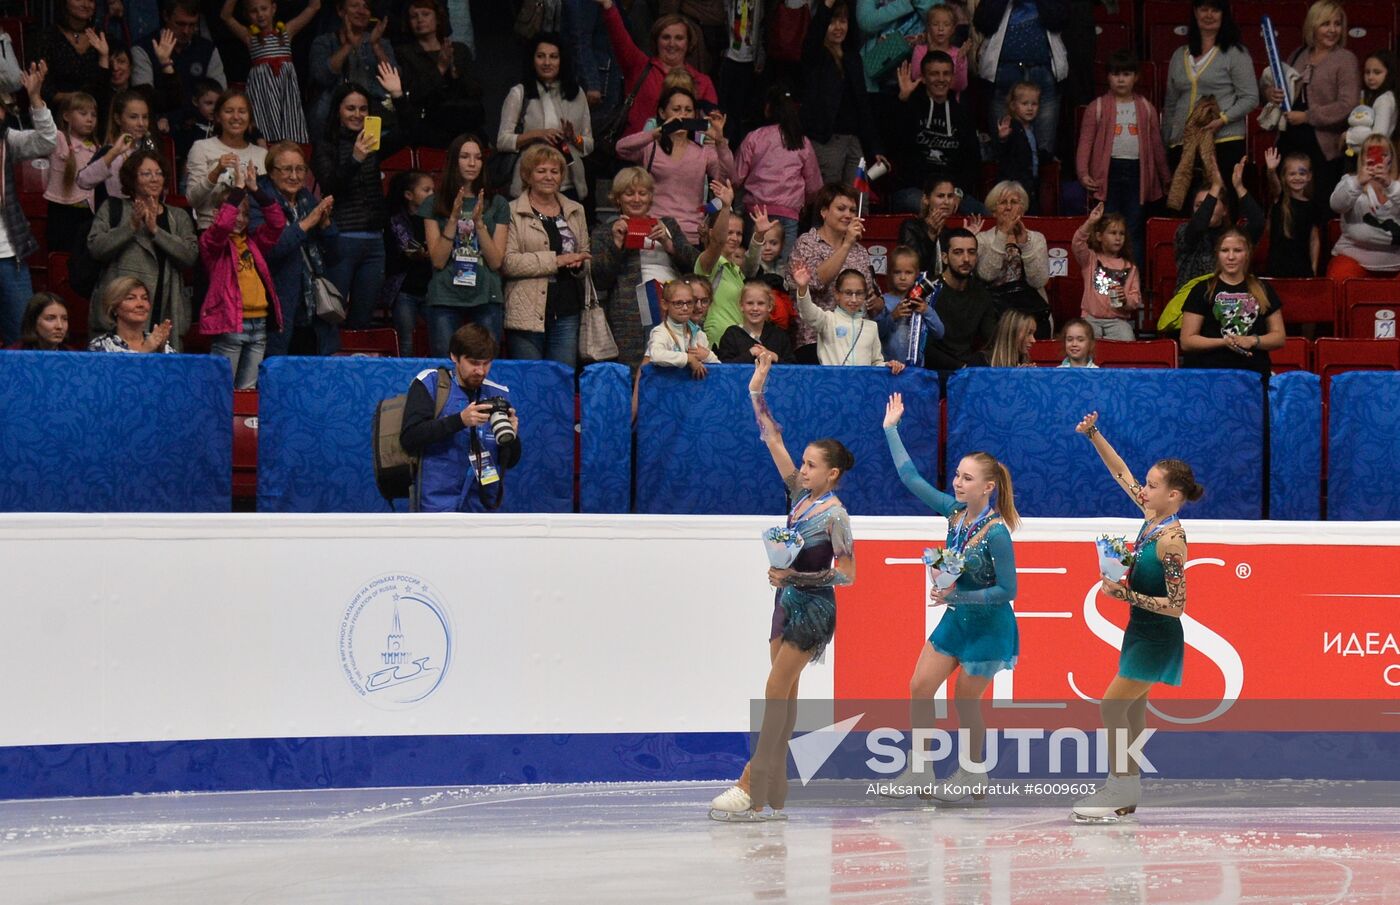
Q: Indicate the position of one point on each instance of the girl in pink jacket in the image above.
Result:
(1112, 289)
(1121, 159)
(241, 295)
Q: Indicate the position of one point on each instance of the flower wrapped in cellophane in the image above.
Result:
(1115, 557)
(944, 566)
(783, 545)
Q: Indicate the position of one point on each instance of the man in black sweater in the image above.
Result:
(969, 318)
(940, 140)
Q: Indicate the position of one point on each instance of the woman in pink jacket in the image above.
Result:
(777, 167)
(241, 295)
(1121, 159)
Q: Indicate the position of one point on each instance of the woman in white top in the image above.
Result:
(213, 162)
(547, 106)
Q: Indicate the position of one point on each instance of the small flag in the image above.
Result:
(862, 185)
(649, 302)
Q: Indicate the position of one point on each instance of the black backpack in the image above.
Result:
(83, 269)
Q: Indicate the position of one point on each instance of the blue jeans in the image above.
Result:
(1124, 197)
(355, 265)
(559, 342)
(789, 239)
(244, 351)
(1048, 119)
(406, 310)
(443, 321)
(15, 291)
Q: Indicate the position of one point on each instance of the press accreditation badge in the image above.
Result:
(486, 472)
(464, 265)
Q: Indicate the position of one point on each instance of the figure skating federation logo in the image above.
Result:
(395, 641)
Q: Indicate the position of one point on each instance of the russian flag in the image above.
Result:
(862, 185)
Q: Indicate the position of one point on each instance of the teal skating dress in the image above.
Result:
(979, 629)
(1153, 643)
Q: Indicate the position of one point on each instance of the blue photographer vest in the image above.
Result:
(448, 482)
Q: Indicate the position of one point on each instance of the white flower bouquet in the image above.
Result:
(944, 566)
(1115, 557)
(782, 545)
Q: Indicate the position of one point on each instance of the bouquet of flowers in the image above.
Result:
(944, 566)
(783, 545)
(1115, 557)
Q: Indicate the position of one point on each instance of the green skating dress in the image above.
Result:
(1153, 644)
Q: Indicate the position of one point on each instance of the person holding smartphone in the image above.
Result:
(1369, 204)
(683, 154)
(347, 165)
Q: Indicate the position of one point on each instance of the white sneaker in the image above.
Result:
(905, 783)
(734, 804)
(961, 785)
(1116, 798)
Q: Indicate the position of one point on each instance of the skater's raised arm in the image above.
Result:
(931, 496)
(768, 429)
(1114, 462)
(1171, 549)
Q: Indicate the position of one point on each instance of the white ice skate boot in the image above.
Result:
(1117, 797)
(734, 805)
(961, 785)
(904, 785)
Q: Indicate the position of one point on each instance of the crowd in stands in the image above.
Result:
(699, 170)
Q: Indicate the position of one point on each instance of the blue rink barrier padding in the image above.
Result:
(1363, 446)
(1295, 446)
(85, 432)
(605, 468)
(228, 765)
(314, 417)
(1026, 418)
(698, 449)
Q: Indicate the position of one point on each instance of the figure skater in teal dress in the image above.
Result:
(978, 632)
(804, 606)
(1153, 645)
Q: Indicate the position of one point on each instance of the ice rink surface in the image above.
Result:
(654, 843)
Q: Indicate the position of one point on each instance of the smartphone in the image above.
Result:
(374, 125)
(1375, 156)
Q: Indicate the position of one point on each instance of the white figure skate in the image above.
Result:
(734, 805)
(1115, 799)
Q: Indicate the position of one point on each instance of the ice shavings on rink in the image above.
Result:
(652, 843)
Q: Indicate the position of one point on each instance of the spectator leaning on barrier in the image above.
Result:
(45, 324)
(17, 243)
(144, 238)
(1232, 319)
(465, 449)
(126, 305)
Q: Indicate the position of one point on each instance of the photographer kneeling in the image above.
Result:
(464, 451)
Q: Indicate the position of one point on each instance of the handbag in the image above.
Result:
(330, 301)
(613, 126)
(595, 339)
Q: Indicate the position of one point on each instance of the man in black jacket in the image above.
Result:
(940, 139)
(969, 318)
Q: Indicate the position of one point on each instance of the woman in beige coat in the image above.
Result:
(546, 264)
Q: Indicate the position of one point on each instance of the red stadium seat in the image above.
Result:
(14, 26)
(1164, 27)
(883, 229)
(1047, 353)
(380, 342)
(1145, 353)
(1333, 355)
(1111, 36)
(430, 160)
(1369, 308)
(1123, 14)
(1066, 289)
(245, 444)
(32, 176)
(400, 160)
(77, 304)
(1307, 300)
(1296, 355)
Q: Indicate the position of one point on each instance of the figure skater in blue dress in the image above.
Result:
(1153, 644)
(804, 605)
(978, 632)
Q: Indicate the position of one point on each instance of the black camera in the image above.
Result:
(499, 419)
